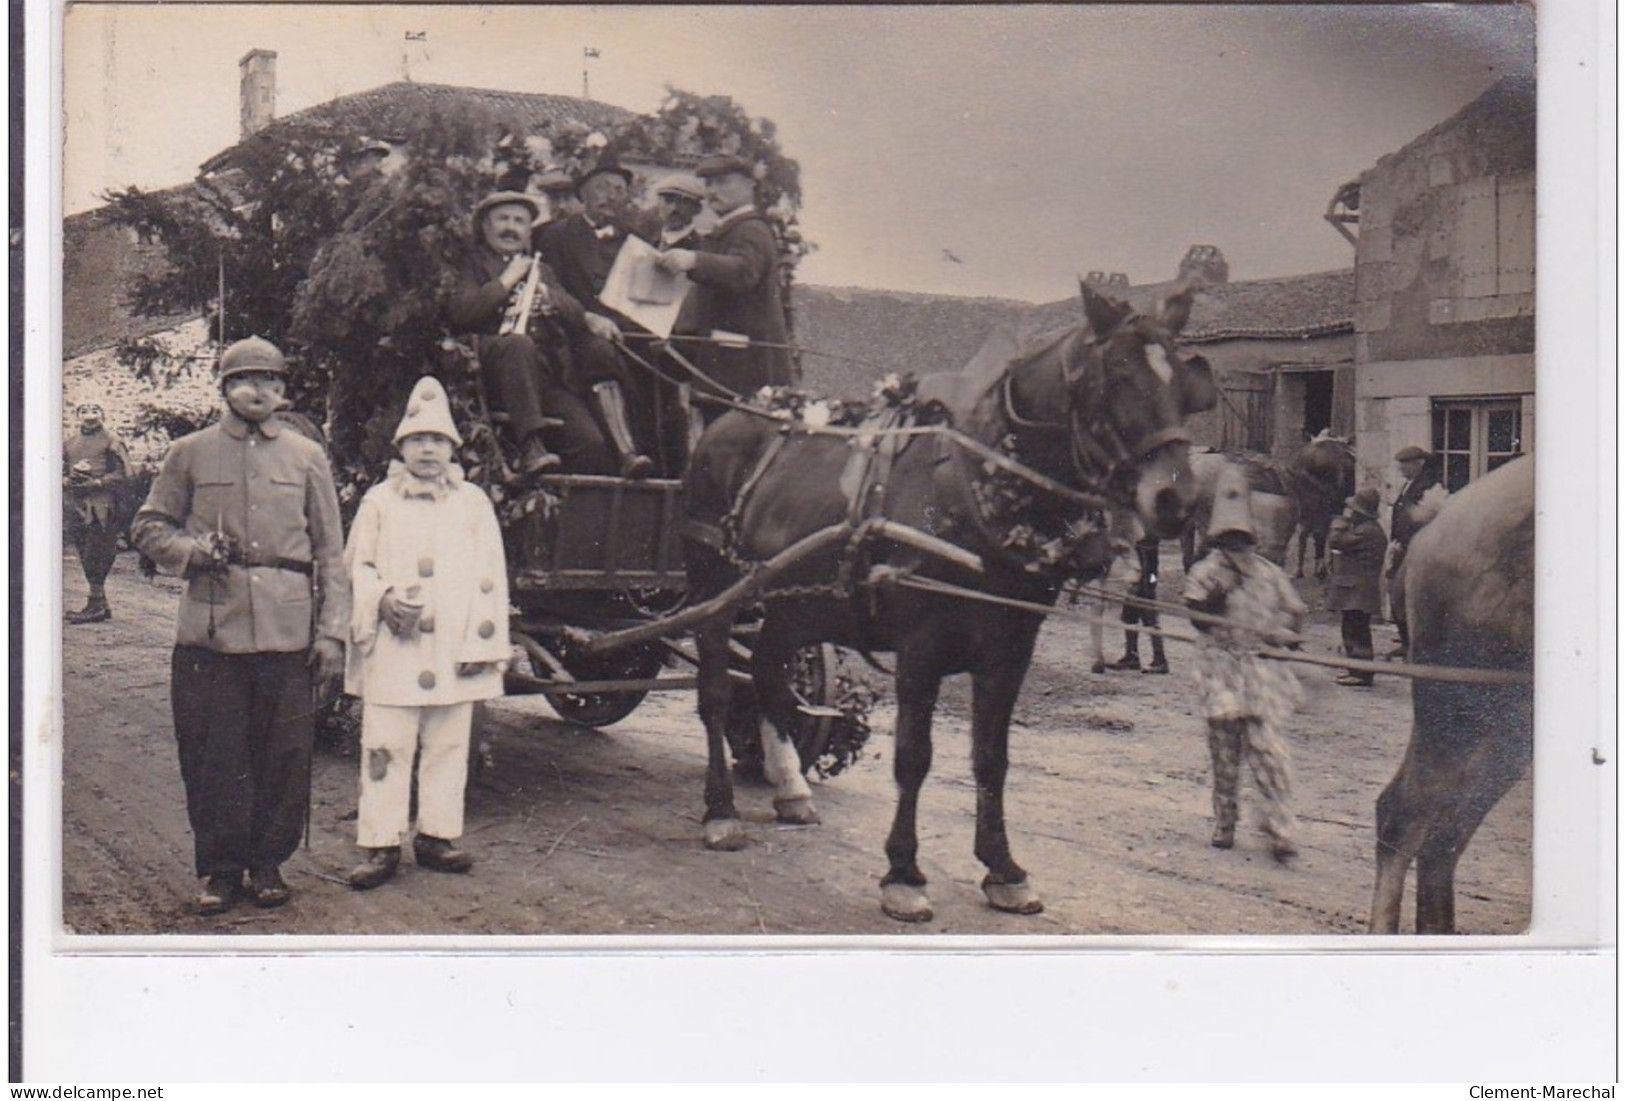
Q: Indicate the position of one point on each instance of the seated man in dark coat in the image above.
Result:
(582, 248)
(736, 273)
(527, 366)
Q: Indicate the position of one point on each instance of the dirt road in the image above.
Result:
(598, 831)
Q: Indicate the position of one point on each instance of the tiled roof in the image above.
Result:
(382, 108)
(392, 108)
(1292, 307)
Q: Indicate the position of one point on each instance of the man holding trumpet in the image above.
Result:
(522, 321)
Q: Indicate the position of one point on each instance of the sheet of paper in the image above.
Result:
(641, 291)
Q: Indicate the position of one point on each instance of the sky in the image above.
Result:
(997, 150)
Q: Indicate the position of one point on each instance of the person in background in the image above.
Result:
(736, 272)
(1246, 697)
(1357, 544)
(679, 198)
(94, 464)
(245, 510)
(428, 638)
(1419, 499)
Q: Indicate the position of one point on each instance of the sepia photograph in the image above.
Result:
(797, 471)
(559, 532)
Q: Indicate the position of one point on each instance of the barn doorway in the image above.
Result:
(1318, 388)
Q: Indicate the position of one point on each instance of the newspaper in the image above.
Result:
(639, 289)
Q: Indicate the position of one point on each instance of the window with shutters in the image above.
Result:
(1495, 247)
(1472, 438)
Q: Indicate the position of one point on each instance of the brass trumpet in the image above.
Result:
(527, 299)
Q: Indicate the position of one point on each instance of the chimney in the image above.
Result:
(1206, 264)
(258, 69)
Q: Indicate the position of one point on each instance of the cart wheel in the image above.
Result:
(812, 678)
(603, 708)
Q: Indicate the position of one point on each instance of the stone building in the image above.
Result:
(1445, 291)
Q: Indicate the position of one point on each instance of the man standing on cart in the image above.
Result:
(526, 366)
(736, 273)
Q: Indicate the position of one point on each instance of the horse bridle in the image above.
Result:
(1097, 450)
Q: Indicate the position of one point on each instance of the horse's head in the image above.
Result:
(1131, 393)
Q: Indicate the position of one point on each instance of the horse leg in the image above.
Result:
(1401, 830)
(993, 699)
(1302, 535)
(1488, 775)
(902, 891)
(1320, 554)
(770, 669)
(1097, 628)
(723, 829)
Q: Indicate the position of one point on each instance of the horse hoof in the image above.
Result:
(1098, 667)
(725, 835)
(905, 903)
(1013, 898)
(798, 811)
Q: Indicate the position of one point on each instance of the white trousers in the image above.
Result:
(389, 736)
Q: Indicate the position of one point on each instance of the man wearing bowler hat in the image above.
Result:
(736, 276)
(527, 367)
(245, 511)
(582, 248)
(1411, 511)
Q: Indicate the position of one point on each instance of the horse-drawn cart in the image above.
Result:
(590, 554)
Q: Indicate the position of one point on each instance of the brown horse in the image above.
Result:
(1321, 479)
(1093, 417)
(1470, 584)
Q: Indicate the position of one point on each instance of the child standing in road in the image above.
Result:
(429, 637)
(1247, 697)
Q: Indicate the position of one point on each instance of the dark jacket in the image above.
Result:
(1358, 547)
(479, 300)
(582, 259)
(1405, 527)
(736, 290)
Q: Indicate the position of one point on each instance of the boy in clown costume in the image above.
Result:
(429, 637)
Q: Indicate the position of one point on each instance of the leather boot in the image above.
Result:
(378, 868)
(612, 404)
(536, 459)
(440, 855)
(94, 611)
(1159, 659)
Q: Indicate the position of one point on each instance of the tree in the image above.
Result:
(350, 278)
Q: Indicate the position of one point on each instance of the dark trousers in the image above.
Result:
(529, 385)
(243, 724)
(97, 547)
(1357, 638)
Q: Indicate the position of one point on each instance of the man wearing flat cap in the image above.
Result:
(1419, 499)
(527, 368)
(559, 189)
(582, 248)
(245, 510)
(679, 198)
(94, 464)
(736, 276)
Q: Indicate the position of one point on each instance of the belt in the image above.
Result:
(271, 562)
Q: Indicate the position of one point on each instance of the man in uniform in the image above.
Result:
(1409, 514)
(736, 273)
(94, 462)
(582, 248)
(528, 373)
(245, 510)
